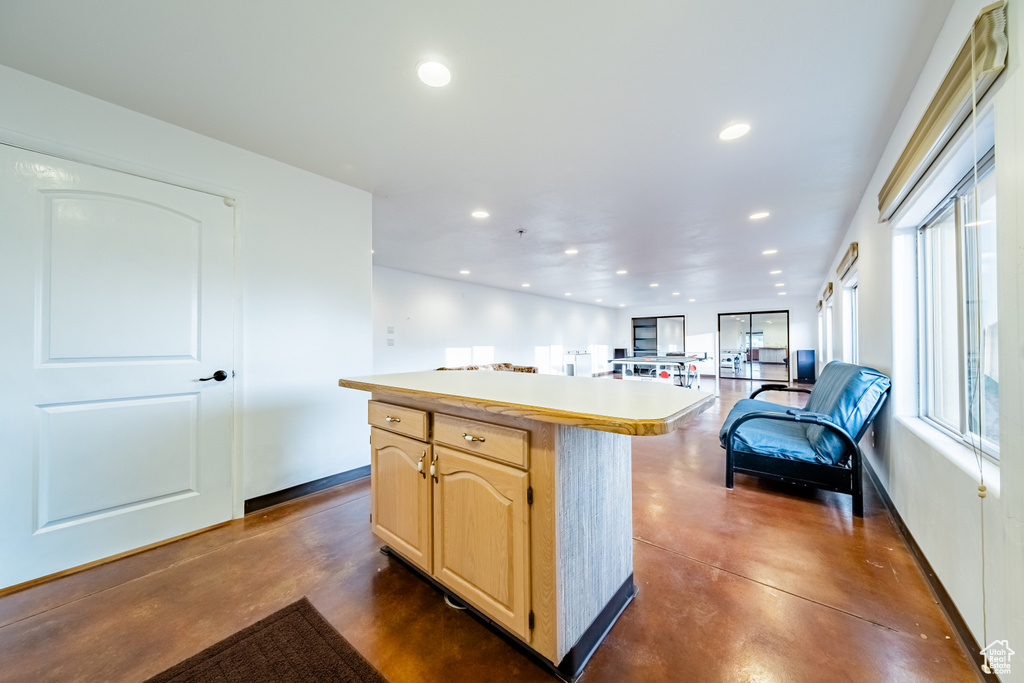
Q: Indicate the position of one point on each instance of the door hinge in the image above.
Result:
(531, 620)
(529, 495)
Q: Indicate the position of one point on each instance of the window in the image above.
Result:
(958, 319)
(483, 355)
(851, 353)
(599, 358)
(828, 333)
(457, 356)
(821, 339)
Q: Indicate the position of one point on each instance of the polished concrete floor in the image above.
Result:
(761, 583)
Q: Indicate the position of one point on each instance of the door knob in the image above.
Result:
(220, 376)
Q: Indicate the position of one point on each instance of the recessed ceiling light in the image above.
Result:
(692, 300)
(621, 305)
(526, 284)
(479, 214)
(780, 284)
(568, 293)
(737, 130)
(654, 284)
(782, 294)
(766, 252)
(620, 272)
(434, 74)
(675, 293)
(572, 251)
(774, 272)
(463, 272)
(759, 215)
(597, 300)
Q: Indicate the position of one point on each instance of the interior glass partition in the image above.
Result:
(753, 345)
(670, 335)
(659, 335)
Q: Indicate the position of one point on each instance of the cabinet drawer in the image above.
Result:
(504, 444)
(401, 420)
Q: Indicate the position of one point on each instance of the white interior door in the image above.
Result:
(115, 299)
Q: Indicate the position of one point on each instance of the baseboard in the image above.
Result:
(10, 590)
(293, 492)
(938, 590)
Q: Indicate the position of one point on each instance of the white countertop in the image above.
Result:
(638, 408)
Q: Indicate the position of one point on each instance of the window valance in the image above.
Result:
(976, 67)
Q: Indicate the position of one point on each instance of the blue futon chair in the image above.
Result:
(815, 445)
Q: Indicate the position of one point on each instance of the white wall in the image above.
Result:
(975, 546)
(702, 323)
(430, 313)
(304, 276)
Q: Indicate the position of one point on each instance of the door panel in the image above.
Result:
(116, 299)
(88, 456)
(120, 280)
(482, 535)
(401, 494)
(771, 331)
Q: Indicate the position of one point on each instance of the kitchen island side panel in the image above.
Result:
(594, 520)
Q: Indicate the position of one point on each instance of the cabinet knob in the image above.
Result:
(470, 437)
(419, 468)
(388, 418)
(433, 468)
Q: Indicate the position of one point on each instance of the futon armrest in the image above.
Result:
(779, 387)
(816, 418)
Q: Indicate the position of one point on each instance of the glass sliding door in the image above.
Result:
(734, 342)
(754, 346)
(769, 346)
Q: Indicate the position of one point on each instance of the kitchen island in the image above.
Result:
(512, 492)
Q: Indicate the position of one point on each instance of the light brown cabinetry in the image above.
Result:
(556, 570)
(406, 421)
(457, 515)
(504, 444)
(482, 536)
(401, 491)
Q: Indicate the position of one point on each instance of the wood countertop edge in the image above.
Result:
(601, 423)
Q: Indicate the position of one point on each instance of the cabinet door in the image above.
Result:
(401, 494)
(482, 537)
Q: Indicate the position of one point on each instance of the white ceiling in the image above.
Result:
(589, 125)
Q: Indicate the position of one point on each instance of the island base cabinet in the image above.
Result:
(401, 492)
(482, 536)
(524, 512)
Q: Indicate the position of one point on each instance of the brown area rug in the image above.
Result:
(292, 644)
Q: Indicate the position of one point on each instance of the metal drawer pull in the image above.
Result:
(388, 418)
(470, 437)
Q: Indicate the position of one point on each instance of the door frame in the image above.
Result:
(233, 198)
(789, 316)
(632, 323)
